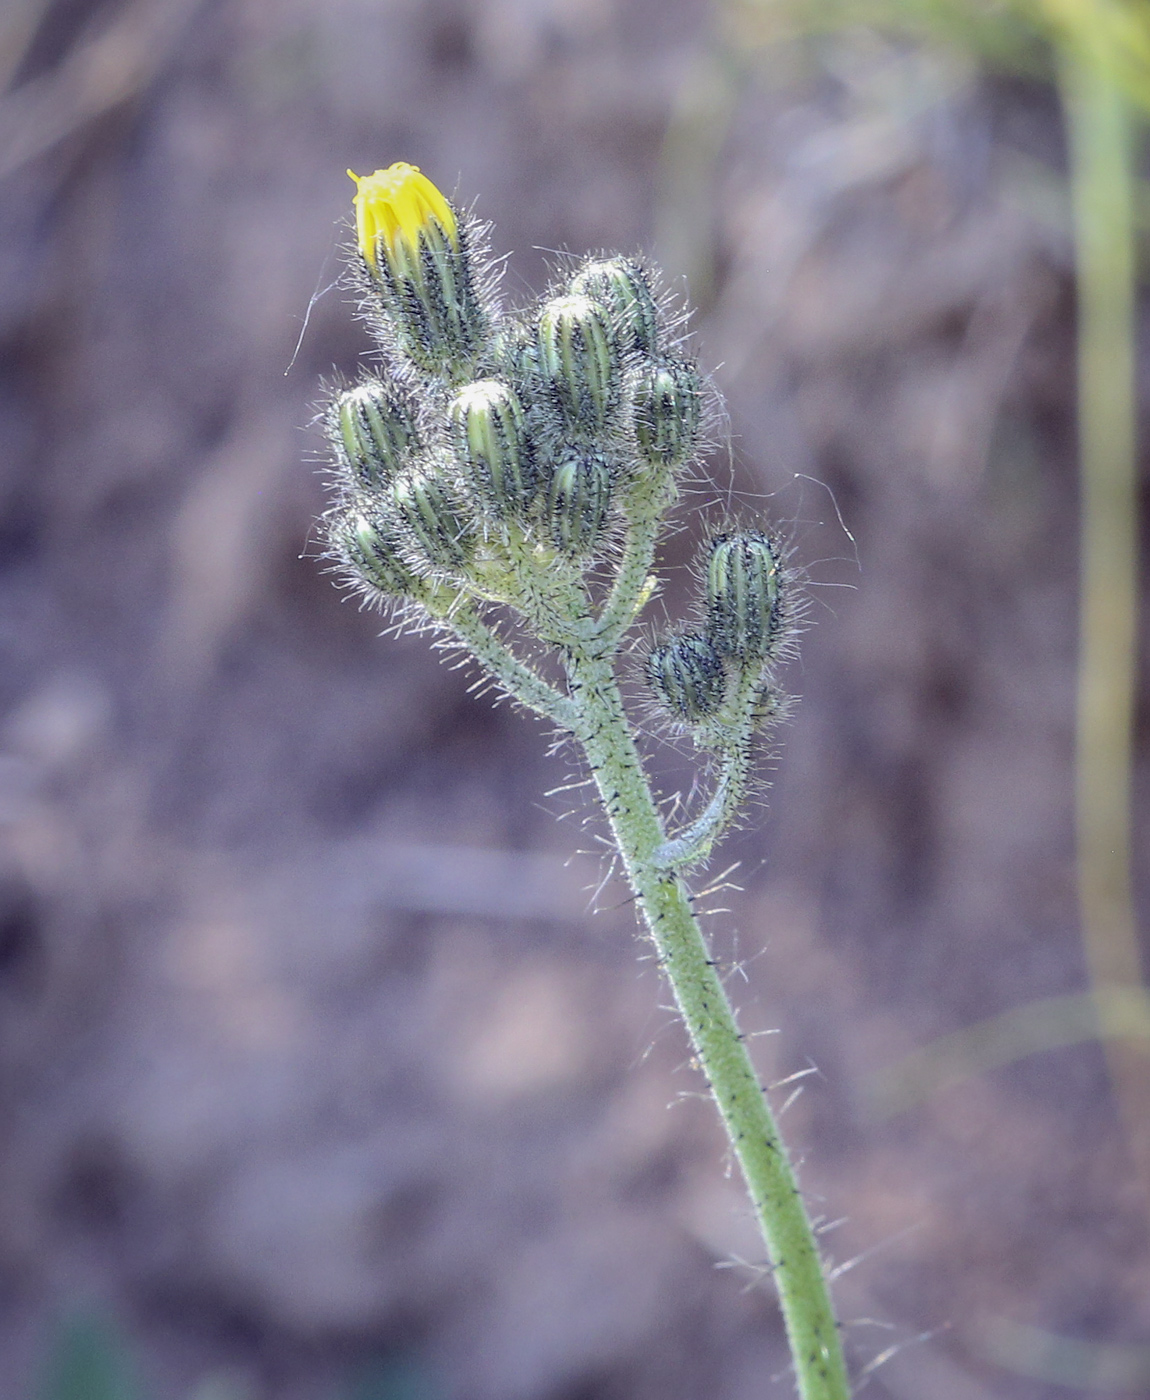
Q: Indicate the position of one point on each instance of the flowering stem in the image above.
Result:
(522, 492)
(721, 1050)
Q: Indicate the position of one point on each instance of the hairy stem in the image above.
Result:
(693, 843)
(513, 675)
(722, 1053)
(633, 576)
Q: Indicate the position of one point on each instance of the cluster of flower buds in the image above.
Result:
(696, 674)
(489, 442)
(499, 456)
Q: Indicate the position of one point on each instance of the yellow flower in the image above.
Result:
(424, 274)
(395, 207)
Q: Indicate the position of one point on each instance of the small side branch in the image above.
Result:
(514, 676)
(732, 735)
(633, 580)
(694, 842)
(627, 592)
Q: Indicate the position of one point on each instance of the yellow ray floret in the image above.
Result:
(396, 205)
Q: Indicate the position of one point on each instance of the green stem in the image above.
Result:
(515, 676)
(633, 579)
(722, 1053)
(694, 842)
(732, 735)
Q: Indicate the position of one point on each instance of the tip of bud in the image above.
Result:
(579, 360)
(745, 596)
(373, 431)
(621, 285)
(665, 404)
(394, 206)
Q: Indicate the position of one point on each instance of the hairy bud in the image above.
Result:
(665, 408)
(415, 252)
(432, 519)
(578, 497)
(514, 351)
(367, 546)
(374, 432)
(579, 361)
(687, 675)
(622, 287)
(488, 433)
(744, 596)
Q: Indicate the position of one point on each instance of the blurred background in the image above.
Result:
(320, 1077)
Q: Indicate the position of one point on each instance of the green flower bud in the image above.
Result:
(368, 547)
(513, 349)
(744, 596)
(687, 675)
(490, 439)
(577, 501)
(665, 398)
(579, 361)
(374, 432)
(622, 287)
(432, 519)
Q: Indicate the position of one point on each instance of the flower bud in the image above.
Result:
(687, 675)
(432, 519)
(665, 411)
(622, 287)
(413, 248)
(374, 431)
(577, 500)
(513, 347)
(368, 547)
(490, 439)
(744, 596)
(579, 361)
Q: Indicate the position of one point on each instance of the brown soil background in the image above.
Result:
(314, 1064)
